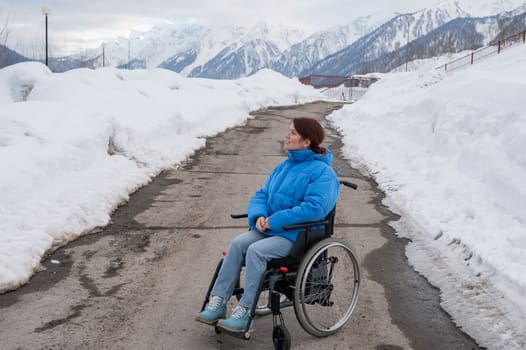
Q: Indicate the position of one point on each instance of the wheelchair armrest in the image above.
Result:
(306, 225)
(238, 216)
(288, 227)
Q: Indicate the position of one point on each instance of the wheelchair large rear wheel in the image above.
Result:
(327, 287)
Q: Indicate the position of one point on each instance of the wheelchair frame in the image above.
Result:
(311, 260)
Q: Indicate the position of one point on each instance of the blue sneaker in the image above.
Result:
(215, 310)
(237, 322)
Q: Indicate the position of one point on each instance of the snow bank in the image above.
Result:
(449, 152)
(73, 146)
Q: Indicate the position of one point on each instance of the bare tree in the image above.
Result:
(4, 35)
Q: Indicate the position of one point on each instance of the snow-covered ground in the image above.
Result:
(447, 149)
(74, 145)
(450, 152)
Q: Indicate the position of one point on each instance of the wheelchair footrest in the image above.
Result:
(245, 335)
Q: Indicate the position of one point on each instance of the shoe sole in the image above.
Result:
(233, 330)
(208, 322)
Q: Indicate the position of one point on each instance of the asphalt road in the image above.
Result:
(138, 283)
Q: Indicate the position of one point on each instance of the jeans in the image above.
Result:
(255, 249)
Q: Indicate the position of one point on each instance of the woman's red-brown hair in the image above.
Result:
(310, 129)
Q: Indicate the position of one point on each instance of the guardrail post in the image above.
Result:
(524, 36)
(472, 58)
(498, 47)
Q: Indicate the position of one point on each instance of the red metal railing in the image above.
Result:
(484, 52)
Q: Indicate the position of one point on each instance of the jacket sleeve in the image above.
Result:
(320, 197)
(257, 206)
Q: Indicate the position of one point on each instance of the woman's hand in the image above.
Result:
(262, 224)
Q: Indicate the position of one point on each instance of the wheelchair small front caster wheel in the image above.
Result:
(281, 338)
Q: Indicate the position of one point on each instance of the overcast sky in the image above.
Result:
(79, 24)
(87, 23)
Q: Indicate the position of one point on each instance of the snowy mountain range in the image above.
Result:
(365, 44)
(196, 50)
(232, 52)
(455, 36)
(428, 33)
(306, 53)
(388, 37)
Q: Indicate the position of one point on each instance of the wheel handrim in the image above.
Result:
(327, 304)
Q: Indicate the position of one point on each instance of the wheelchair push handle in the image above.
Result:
(349, 184)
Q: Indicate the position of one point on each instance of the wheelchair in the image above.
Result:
(320, 278)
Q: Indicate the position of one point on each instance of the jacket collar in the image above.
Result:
(307, 154)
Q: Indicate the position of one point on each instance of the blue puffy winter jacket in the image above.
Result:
(303, 188)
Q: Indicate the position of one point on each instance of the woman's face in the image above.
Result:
(293, 140)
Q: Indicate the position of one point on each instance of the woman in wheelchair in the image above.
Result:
(303, 188)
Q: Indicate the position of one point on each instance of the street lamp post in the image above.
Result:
(46, 11)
